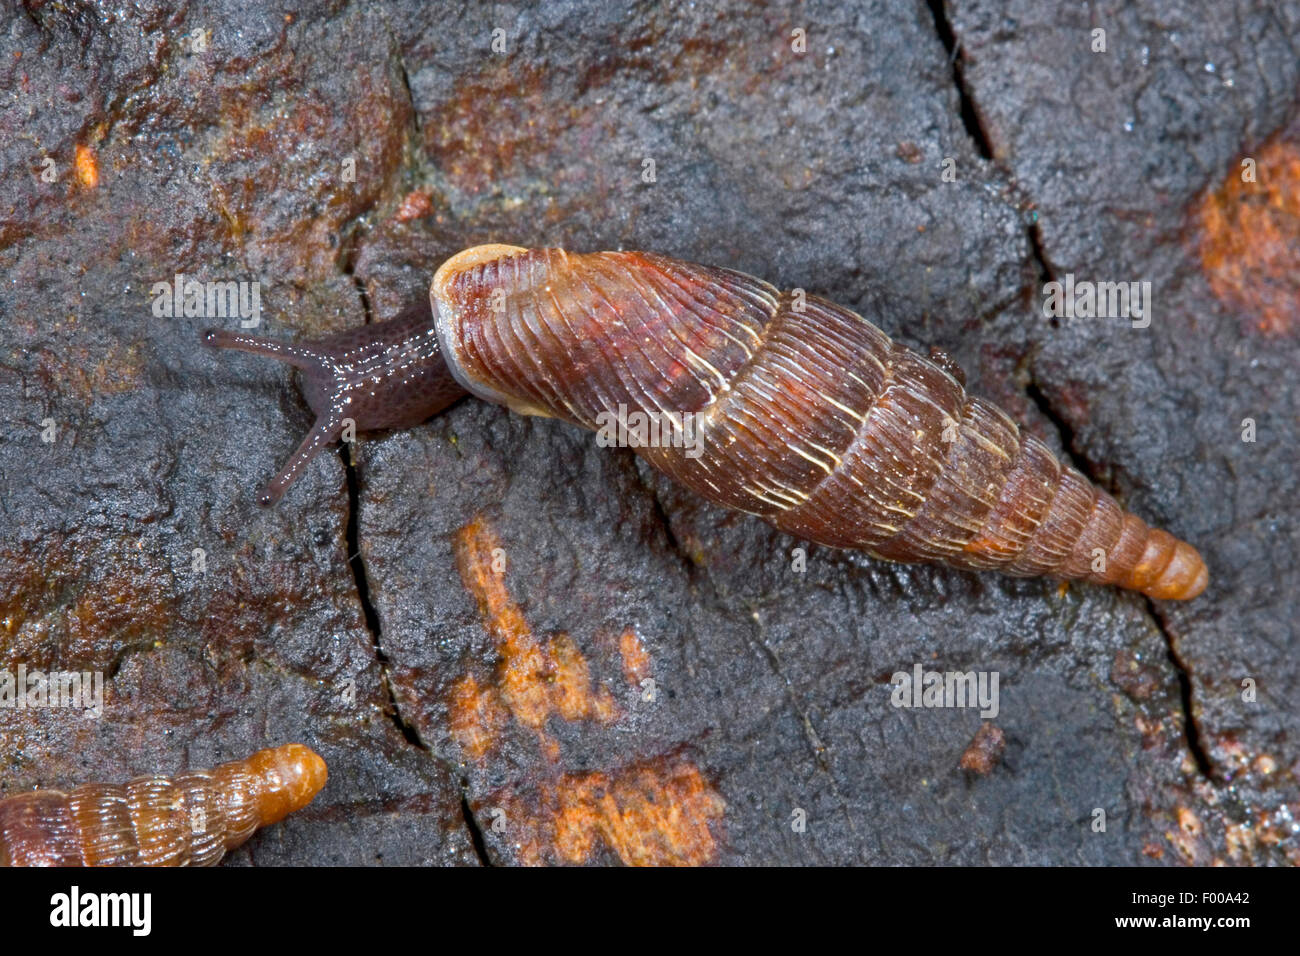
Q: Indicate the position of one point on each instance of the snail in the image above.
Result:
(191, 819)
(802, 412)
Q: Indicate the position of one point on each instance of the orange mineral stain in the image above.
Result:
(495, 124)
(657, 811)
(416, 205)
(87, 166)
(477, 716)
(571, 693)
(985, 750)
(536, 679)
(636, 662)
(661, 812)
(74, 604)
(1250, 237)
(84, 374)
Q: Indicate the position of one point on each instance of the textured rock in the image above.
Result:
(492, 628)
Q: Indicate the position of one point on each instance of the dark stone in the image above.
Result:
(363, 615)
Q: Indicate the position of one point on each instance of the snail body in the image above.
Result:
(191, 819)
(807, 415)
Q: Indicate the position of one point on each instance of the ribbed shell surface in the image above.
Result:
(811, 417)
(191, 819)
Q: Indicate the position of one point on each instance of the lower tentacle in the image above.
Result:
(325, 430)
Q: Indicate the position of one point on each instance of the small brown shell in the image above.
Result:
(191, 819)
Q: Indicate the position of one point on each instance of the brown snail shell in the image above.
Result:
(191, 819)
(813, 418)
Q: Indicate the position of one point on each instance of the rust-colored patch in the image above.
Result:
(85, 374)
(1187, 837)
(909, 152)
(655, 811)
(497, 122)
(1250, 238)
(477, 716)
(572, 693)
(24, 579)
(416, 205)
(1153, 729)
(636, 661)
(1189, 822)
(984, 750)
(659, 812)
(87, 166)
(1240, 841)
(130, 604)
(65, 608)
(535, 680)
(508, 127)
(334, 174)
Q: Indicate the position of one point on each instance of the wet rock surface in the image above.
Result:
(513, 646)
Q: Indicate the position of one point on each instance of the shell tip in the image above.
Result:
(295, 774)
(1185, 577)
(305, 773)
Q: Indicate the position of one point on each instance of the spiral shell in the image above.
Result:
(813, 418)
(191, 819)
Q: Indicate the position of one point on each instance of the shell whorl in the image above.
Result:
(191, 819)
(812, 417)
